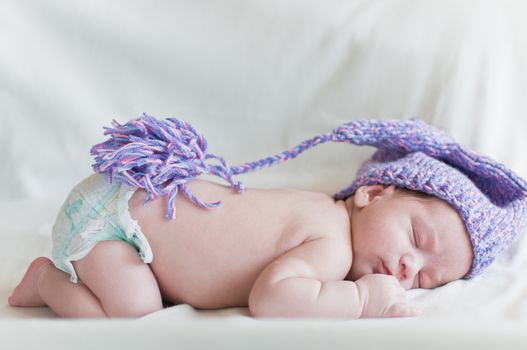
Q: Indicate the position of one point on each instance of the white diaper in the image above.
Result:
(95, 211)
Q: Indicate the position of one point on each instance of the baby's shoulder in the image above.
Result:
(322, 216)
(325, 209)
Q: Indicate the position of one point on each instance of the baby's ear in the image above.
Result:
(365, 195)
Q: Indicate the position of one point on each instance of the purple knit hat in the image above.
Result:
(163, 156)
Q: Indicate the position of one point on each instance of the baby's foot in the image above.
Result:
(27, 293)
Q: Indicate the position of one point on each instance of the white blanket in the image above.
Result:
(256, 77)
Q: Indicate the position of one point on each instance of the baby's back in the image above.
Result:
(210, 258)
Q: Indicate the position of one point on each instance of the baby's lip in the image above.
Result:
(385, 270)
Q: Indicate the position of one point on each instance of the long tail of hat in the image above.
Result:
(494, 179)
(396, 135)
(162, 156)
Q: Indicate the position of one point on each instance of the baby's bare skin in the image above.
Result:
(210, 258)
(282, 252)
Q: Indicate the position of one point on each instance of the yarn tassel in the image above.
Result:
(160, 157)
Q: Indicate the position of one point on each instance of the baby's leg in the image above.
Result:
(123, 283)
(116, 283)
(44, 284)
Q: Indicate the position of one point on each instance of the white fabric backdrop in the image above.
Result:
(257, 77)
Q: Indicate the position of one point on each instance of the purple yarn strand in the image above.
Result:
(283, 156)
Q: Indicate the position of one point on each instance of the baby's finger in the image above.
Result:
(402, 310)
(410, 311)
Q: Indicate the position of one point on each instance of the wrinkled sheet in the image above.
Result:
(256, 77)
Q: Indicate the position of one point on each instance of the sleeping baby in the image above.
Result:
(423, 211)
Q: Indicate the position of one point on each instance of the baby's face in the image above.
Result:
(421, 241)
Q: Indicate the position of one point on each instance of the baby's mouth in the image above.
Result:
(384, 269)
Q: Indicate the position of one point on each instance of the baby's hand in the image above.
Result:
(383, 296)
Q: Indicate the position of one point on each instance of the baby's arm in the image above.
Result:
(306, 282)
